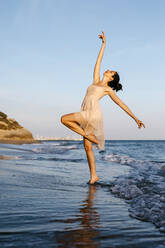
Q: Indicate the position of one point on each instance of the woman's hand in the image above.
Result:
(140, 123)
(102, 36)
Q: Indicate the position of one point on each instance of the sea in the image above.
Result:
(46, 201)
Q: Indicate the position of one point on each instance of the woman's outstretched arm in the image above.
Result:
(115, 98)
(96, 74)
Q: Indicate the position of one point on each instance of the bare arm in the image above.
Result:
(115, 98)
(96, 74)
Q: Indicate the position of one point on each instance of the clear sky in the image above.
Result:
(48, 52)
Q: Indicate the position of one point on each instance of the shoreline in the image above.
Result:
(38, 141)
(19, 142)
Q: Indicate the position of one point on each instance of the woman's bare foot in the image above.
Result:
(94, 180)
(92, 138)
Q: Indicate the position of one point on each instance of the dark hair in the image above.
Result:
(114, 84)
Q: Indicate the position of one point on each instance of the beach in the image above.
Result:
(46, 202)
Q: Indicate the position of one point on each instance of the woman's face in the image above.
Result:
(109, 74)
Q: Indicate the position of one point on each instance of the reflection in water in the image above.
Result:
(85, 235)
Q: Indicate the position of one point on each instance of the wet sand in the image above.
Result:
(6, 157)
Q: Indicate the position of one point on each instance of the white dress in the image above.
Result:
(91, 115)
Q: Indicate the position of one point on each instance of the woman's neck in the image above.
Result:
(104, 82)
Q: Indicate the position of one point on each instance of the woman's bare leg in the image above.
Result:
(71, 122)
(91, 161)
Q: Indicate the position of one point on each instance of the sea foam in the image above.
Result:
(143, 188)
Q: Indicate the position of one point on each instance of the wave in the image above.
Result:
(127, 160)
(143, 188)
(46, 148)
(76, 160)
(57, 149)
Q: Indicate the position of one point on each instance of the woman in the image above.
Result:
(89, 122)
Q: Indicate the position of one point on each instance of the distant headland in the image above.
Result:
(12, 132)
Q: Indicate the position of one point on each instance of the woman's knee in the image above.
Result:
(69, 118)
(63, 119)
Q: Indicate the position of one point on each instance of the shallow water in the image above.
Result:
(45, 200)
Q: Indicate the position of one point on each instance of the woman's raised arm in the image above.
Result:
(96, 74)
(115, 98)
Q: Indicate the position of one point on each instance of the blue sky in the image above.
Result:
(48, 52)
